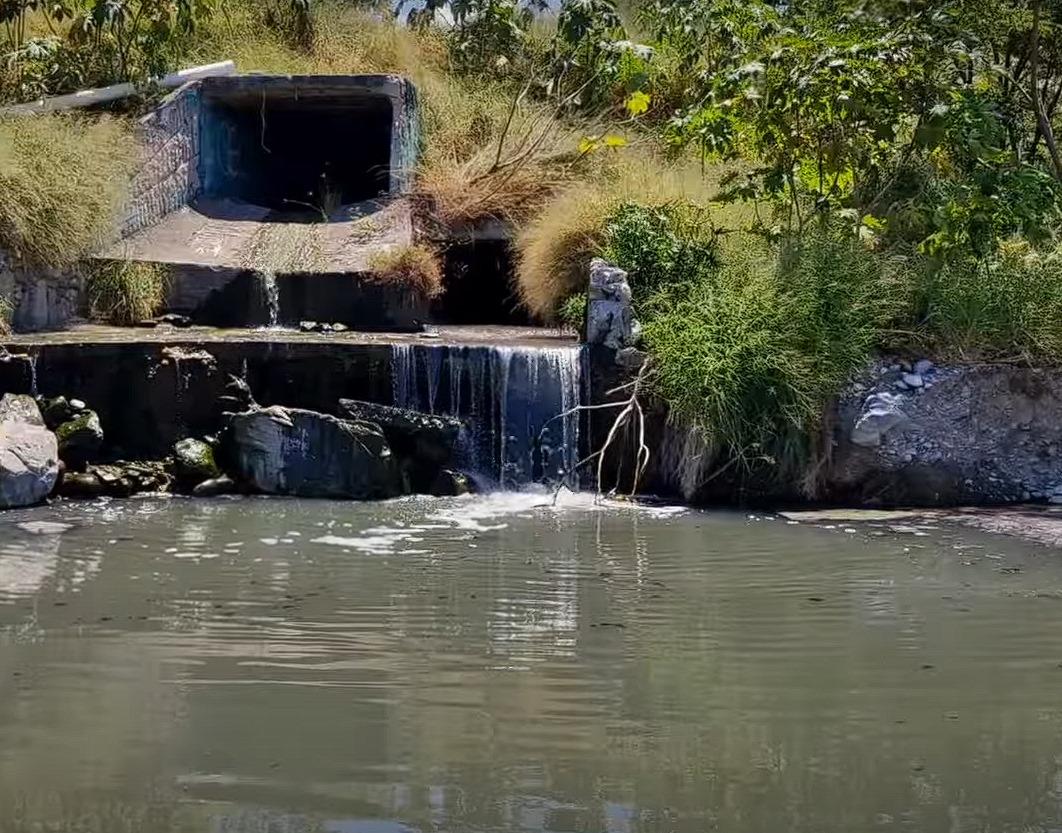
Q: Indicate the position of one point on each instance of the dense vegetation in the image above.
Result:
(791, 185)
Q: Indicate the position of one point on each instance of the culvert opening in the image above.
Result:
(301, 150)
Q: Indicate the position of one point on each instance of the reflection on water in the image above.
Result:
(503, 663)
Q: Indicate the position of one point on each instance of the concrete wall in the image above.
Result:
(169, 176)
(41, 299)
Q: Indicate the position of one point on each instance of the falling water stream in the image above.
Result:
(519, 402)
(270, 298)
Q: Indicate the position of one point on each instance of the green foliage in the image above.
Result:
(572, 312)
(661, 245)
(92, 42)
(1005, 306)
(126, 291)
(751, 351)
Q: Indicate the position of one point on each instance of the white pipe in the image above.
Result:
(86, 98)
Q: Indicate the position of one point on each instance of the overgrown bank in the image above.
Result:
(792, 189)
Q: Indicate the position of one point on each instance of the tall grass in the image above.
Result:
(1006, 307)
(750, 352)
(63, 179)
(126, 291)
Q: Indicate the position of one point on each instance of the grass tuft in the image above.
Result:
(63, 179)
(126, 291)
(1006, 307)
(416, 267)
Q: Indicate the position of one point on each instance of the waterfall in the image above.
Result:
(33, 374)
(270, 297)
(511, 398)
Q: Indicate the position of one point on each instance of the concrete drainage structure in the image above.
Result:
(293, 183)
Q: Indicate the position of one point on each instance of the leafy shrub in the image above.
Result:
(126, 291)
(572, 313)
(414, 267)
(660, 245)
(63, 179)
(751, 351)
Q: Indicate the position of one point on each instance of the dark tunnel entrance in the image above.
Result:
(296, 149)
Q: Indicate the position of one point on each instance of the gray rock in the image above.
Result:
(451, 484)
(217, 486)
(85, 485)
(881, 413)
(609, 316)
(57, 411)
(923, 366)
(296, 452)
(193, 462)
(80, 439)
(421, 436)
(29, 453)
(913, 380)
(630, 358)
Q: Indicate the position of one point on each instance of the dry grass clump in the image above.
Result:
(5, 316)
(126, 291)
(63, 179)
(507, 181)
(416, 267)
(556, 247)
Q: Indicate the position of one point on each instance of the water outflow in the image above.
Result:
(519, 404)
(267, 282)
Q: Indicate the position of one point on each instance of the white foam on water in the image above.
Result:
(473, 514)
(44, 527)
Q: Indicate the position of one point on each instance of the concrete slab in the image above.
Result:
(225, 234)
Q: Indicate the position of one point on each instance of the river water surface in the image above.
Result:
(500, 664)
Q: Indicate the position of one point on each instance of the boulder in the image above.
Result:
(223, 485)
(193, 462)
(29, 453)
(449, 483)
(412, 434)
(57, 411)
(609, 317)
(881, 413)
(80, 439)
(289, 451)
(82, 485)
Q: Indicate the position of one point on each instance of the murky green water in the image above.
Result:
(485, 665)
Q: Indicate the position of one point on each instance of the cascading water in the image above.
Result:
(270, 298)
(33, 374)
(519, 404)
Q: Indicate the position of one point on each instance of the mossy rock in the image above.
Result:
(194, 462)
(80, 439)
